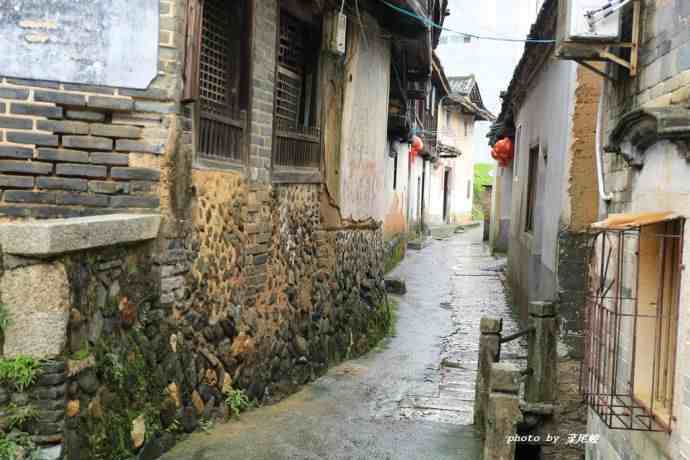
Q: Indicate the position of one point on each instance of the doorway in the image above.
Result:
(446, 195)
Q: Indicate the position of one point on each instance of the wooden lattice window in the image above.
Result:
(298, 136)
(216, 72)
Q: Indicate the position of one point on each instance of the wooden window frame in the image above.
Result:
(297, 144)
(220, 129)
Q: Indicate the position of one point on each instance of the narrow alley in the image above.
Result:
(411, 398)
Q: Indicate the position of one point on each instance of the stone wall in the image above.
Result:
(262, 278)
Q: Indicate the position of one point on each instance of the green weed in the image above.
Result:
(237, 401)
(20, 372)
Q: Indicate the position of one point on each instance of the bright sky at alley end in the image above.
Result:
(492, 62)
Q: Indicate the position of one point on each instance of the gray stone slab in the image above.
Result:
(57, 236)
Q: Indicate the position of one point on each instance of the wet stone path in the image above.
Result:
(411, 398)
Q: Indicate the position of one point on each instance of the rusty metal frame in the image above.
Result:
(608, 316)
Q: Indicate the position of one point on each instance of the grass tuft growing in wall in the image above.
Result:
(20, 372)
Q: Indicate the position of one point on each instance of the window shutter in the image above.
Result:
(192, 49)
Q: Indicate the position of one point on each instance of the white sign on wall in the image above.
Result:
(96, 42)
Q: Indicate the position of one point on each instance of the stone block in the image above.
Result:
(505, 378)
(81, 199)
(542, 309)
(7, 181)
(63, 155)
(129, 132)
(37, 298)
(395, 286)
(74, 100)
(135, 174)
(85, 115)
(490, 325)
(63, 127)
(25, 196)
(74, 170)
(134, 201)
(127, 145)
(57, 236)
(110, 103)
(111, 159)
(87, 142)
(13, 151)
(25, 167)
(16, 123)
(29, 137)
(109, 188)
(47, 111)
(14, 93)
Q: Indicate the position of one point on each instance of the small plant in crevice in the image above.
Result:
(20, 372)
(19, 417)
(16, 445)
(206, 425)
(237, 401)
(5, 320)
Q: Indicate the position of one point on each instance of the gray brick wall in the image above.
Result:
(262, 82)
(69, 150)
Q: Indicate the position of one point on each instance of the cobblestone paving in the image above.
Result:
(411, 398)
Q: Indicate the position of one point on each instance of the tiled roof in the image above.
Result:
(462, 85)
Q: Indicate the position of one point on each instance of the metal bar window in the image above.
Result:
(222, 122)
(631, 337)
(298, 136)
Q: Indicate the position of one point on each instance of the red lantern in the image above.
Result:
(416, 146)
(504, 149)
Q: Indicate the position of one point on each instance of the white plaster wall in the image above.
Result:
(545, 120)
(365, 118)
(395, 220)
(462, 168)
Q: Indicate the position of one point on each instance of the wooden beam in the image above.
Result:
(594, 69)
(635, 38)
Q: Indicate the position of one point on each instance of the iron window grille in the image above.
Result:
(298, 136)
(632, 307)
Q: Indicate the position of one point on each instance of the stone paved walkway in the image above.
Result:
(409, 399)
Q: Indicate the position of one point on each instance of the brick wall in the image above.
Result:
(262, 83)
(70, 150)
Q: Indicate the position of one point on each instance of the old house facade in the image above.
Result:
(452, 177)
(546, 198)
(638, 399)
(203, 211)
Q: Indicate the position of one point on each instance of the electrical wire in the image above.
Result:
(429, 23)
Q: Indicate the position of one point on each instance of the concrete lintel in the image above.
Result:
(57, 236)
(542, 309)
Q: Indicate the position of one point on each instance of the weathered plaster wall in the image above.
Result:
(459, 133)
(395, 220)
(501, 199)
(543, 118)
(364, 123)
